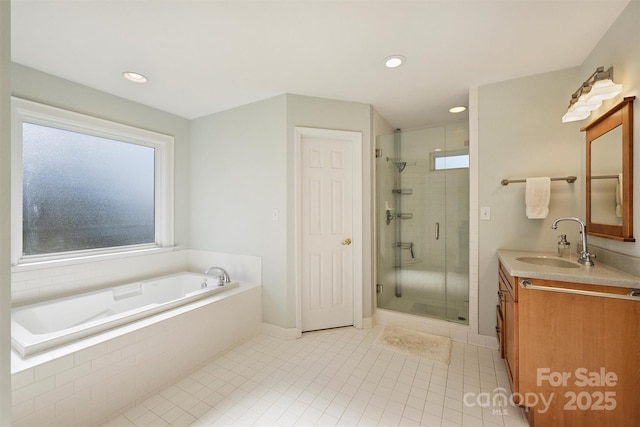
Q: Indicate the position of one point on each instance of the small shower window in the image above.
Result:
(445, 160)
(86, 186)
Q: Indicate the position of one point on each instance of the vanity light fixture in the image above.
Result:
(134, 77)
(456, 110)
(394, 61)
(598, 87)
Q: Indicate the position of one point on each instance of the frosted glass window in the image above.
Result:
(84, 192)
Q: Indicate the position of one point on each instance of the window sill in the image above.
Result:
(40, 264)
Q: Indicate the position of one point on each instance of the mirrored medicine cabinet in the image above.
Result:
(609, 173)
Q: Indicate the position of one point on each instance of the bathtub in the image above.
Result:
(42, 326)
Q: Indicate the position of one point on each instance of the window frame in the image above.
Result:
(448, 153)
(22, 111)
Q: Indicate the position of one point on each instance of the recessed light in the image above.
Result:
(134, 77)
(394, 61)
(457, 109)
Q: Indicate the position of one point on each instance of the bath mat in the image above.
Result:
(429, 346)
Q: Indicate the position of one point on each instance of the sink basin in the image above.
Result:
(549, 262)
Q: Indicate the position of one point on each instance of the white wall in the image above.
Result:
(620, 48)
(242, 168)
(521, 135)
(238, 177)
(5, 229)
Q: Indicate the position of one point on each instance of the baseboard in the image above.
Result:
(279, 332)
(368, 322)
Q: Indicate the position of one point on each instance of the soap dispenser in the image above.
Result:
(564, 247)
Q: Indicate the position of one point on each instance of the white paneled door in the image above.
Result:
(326, 232)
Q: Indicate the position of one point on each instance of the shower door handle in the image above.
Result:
(437, 231)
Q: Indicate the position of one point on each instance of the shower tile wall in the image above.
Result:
(33, 285)
(39, 284)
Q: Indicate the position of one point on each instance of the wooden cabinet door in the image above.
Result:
(582, 352)
(511, 348)
(500, 328)
(509, 307)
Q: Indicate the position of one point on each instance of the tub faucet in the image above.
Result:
(222, 278)
(585, 256)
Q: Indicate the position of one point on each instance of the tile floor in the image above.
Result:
(334, 378)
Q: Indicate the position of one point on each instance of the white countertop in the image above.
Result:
(598, 274)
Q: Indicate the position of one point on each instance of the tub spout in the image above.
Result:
(223, 277)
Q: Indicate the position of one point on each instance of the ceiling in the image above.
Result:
(202, 57)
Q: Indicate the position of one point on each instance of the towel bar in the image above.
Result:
(569, 179)
(605, 177)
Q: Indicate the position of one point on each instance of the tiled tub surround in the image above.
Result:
(34, 283)
(86, 382)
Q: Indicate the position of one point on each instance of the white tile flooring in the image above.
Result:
(336, 377)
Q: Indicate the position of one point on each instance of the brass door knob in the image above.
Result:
(346, 241)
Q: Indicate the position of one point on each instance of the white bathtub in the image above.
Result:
(41, 326)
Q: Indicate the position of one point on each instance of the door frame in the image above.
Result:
(356, 139)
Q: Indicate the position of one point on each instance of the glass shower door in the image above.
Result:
(423, 231)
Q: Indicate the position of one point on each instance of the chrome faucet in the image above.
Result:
(585, 256)
(222, 278)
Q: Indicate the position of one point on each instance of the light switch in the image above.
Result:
(485, 213)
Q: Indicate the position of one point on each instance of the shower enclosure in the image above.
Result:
(422, 188)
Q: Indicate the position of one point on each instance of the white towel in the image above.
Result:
(619, 196)
(537, 196)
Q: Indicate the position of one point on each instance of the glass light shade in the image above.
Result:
(585, 104)
(603, 89)
(573, 116)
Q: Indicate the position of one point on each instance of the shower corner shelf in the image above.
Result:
(402, 191)
(391, 216)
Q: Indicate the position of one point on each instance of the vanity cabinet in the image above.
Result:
(507, 320)
(572, 351)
